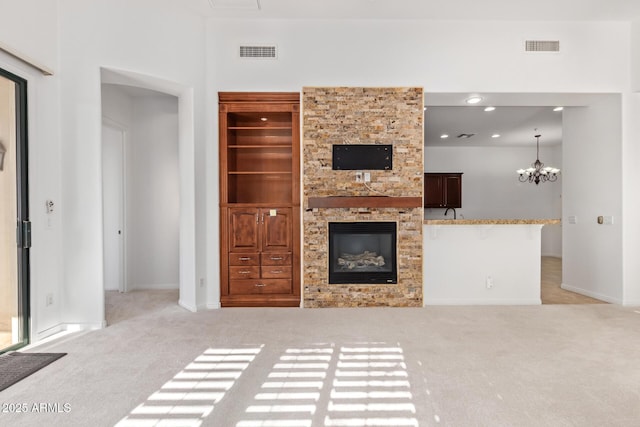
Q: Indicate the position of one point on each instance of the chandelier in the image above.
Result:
(538, 172)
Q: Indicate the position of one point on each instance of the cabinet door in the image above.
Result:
(276, 229)
(244, 230)
(433, 191)
(452, 191)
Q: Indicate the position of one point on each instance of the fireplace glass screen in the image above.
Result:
(362, 252)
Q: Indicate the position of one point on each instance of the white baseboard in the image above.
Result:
(152, 286)
(631, 303)
(186, 306)
(40, 335)
(595, 295)
(213, 306)
(62, 329)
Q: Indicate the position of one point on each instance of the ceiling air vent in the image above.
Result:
(465, 135)
(542, 46)
(259, 52)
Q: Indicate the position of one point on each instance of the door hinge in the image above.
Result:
(23, 234)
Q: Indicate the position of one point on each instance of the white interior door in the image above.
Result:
(113, 207)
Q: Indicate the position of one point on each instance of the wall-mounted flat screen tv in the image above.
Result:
(363, 157)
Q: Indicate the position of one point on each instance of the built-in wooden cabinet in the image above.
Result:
(443, 190)
(259, 199)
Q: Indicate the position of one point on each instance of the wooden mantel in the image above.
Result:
(364, 202)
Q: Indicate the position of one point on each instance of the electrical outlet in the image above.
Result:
(489, 282)
(49, 300)
(359, 177)
(202, 282)
(367, 177)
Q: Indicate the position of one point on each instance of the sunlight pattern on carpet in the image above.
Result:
(364, 384)
(190, 395)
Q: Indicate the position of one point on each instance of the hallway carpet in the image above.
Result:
(157, 364)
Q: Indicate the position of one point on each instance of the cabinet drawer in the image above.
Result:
(259, 286)
(244, 259)
(244, 272)
(276, 272)
(276, 258)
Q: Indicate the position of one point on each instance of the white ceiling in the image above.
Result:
(491, 10)
(515, 125)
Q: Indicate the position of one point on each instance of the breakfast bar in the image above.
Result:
(482, 261)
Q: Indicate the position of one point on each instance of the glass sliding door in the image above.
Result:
(14, 225)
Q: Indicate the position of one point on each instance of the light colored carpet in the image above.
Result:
(548, 365)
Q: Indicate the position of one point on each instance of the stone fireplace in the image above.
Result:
(332, 198)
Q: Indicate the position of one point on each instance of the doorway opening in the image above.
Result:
(15, 228)
(141, 195)
(157, 230)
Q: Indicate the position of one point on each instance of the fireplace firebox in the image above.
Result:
(362, 252)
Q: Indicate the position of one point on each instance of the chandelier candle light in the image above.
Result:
(538, 172)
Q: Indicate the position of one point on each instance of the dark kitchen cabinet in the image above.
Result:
(443, 190)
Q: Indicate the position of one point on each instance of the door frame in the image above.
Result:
(23, 226)
(106, 121)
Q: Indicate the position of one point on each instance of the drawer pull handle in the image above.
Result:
(244, 258)
(277, 258)
(276, 271)
(244, 272)
(260, 285)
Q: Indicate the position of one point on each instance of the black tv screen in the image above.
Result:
(363, 157)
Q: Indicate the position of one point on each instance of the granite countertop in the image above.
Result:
(489, 221)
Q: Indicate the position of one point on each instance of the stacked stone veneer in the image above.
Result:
(342, 115)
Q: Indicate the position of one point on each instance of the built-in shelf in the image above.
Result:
(364, 202)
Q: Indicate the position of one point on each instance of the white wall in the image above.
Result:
(631, 178)
(30, 27)
(145, 38)
(153, 195)
(117, 106)
(441, 56)
(592, 186)
(491, 190)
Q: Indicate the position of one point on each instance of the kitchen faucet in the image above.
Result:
(454, 212)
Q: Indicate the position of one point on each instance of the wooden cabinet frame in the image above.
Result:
(259, 154)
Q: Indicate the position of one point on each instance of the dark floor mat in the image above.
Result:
(16, 366)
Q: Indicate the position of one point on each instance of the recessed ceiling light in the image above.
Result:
(489, 109)
(444, 136)
(558, 109)
(495, 135)
(264, 119)
(473, 100)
